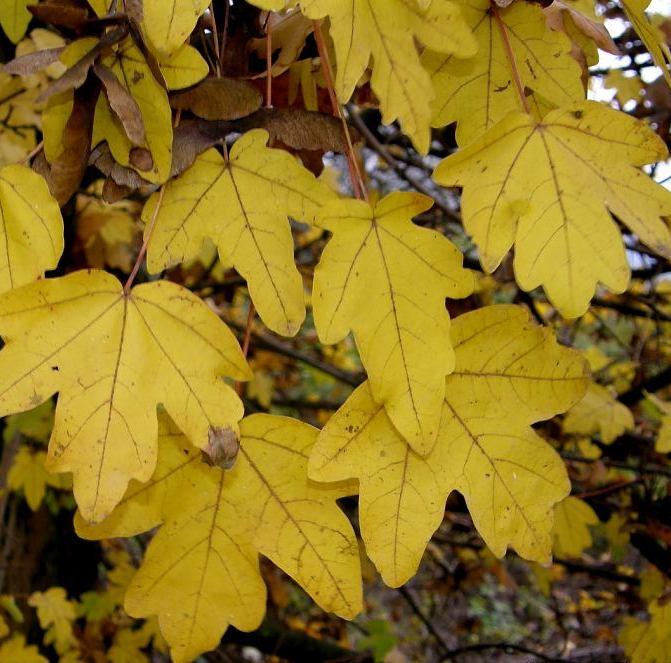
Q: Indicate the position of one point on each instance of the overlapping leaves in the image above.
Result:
(386, 279)
(200, 572)
(477, 92)
(509, 374)
(112, 357)
(243, 204)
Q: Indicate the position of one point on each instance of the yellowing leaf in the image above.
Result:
(386, 280)
(141, 506)
(571, 533)
(653, 38)
(598, 413)
(479, 91)
(28, 473)
(243, 205)
(113, 358)
(31, 227)
(15, 649)
(168, 23)
(183, 68)
(648, 642)
(133, 71)
(385, 31)
(56, 615)
(201, 572)
(509, 374)
(14, 18)
(547, 187)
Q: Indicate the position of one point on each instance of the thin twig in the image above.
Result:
(358, 185)
(510, 57)
(145, 243)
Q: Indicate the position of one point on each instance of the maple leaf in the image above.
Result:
(547, 187)
(56, 614)
(477, 92)
(572, 520)
(598, 412)
(27, 473)
(140, 509)
(31, 227)
(509, 374)
(14, 18)
(113, 358)
(386, 280)
(648, 642)
(385, 31)
(242, 203)
(168, 24)
(653, 38)
(15, 649)
(200, 572)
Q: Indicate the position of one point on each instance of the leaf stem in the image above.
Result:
(356, 178)
(511, 57)
(145, 243)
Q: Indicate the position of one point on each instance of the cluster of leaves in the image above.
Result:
(144, 126)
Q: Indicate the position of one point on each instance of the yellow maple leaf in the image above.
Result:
(141, 506)
(167, 24)
(571, 534)
(113, 357)
(509, 373)
(201, 572)
(28, 473)
(648, 642)
(16, 650)
(14, 18)
(598, 413)
(386, 280)
(31, 227)
(385, 31)
(56, 614)
(547, 187)
(653, 38)
(243, 205)
(477, 92)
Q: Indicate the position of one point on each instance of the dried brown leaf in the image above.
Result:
(76, 75)
(123, 104)
(62, 14)
(31, 63)
(68, 168)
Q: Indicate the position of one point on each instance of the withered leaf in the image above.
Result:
(62, 14)
(31, 63)
(76, 75)
(123, 104)
(68, 168)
